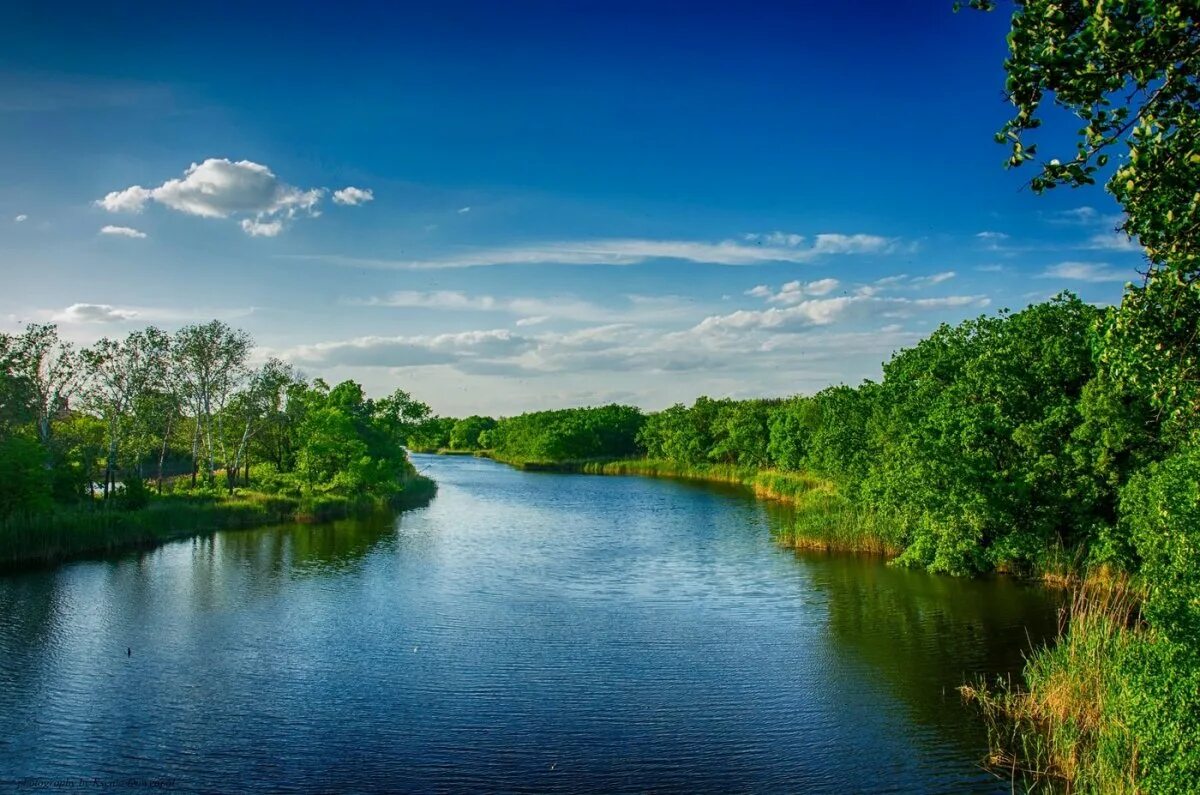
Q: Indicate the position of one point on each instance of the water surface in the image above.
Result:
(525, 632)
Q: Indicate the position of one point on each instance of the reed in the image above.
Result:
(1066, 728)
(819, 517)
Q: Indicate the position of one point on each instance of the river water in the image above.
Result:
(525, 632)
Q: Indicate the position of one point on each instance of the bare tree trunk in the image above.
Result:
(196, 450)
(110, 465)
(211, 475)
(231, 468)
(162, 454)
(247, 469)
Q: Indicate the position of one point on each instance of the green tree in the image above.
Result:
(466, 433)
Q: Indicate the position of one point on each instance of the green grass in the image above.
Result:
(1109, 707)
(820, 518)
(96, 530)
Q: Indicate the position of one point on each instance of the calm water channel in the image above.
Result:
(525, 632)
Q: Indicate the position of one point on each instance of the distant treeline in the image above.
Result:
(992, 444)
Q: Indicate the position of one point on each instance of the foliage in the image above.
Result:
(468, 432)
(1160, 507)
(567, 434)
(24, 480)
(433, 434)
(973, 433)
(76, 423)
(1127, 70)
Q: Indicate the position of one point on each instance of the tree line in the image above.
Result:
(91, 426)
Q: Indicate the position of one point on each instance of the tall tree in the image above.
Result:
(1129, 72)
(254, 407)
(119, 375)
(49, 368)
(210, 359)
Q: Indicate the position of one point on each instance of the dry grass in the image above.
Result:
(1064, 730)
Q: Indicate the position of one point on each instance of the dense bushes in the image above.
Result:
(467, 433)
(566, 435)
(1161, 510)
(25, 485)
(974, 441)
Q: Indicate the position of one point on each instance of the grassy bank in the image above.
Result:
(84, 532)
(820, 519)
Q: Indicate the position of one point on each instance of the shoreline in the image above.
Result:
(47, 541)
(824, 520)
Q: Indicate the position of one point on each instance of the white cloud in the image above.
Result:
(1112, 241)
(933, 278)
(794, 292)
(825, 311)
(618, 251)
(93, 313)
(353, 196)
(1078, 215)
(261, 228)
(536, 309)
(464, 210)
(988, 235)
(121, 231)
(789, 239)
(21, 218)
(1087, 272)
(129, 200)
(411, 351)
(902, 281)
(220, 188)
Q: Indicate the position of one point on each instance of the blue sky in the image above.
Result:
(502, 207)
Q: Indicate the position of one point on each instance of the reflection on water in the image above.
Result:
(525, 631)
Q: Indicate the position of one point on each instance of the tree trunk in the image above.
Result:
(163, 452)
(211, 475)
(196, 450)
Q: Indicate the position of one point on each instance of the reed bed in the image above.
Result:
(819, 517)
(1065, 730)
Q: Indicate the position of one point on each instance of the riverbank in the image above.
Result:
(67, 534)
(821, 518)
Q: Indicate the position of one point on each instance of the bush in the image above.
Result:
(1160, 512)
(25, 484)
(133, 494)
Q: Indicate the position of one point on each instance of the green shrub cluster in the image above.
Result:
(566, 435)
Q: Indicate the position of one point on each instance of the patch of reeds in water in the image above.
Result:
(1063, 731)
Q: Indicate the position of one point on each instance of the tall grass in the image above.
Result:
(819, 517)
(1066, 729)
(97, 529)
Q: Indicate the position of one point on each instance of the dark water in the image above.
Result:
(525, 632)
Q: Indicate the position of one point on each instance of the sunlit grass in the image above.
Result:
(1065, 729)
(820, 519)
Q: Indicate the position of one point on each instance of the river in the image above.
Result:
(524, 632)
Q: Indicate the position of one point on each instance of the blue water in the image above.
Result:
(525, 632)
